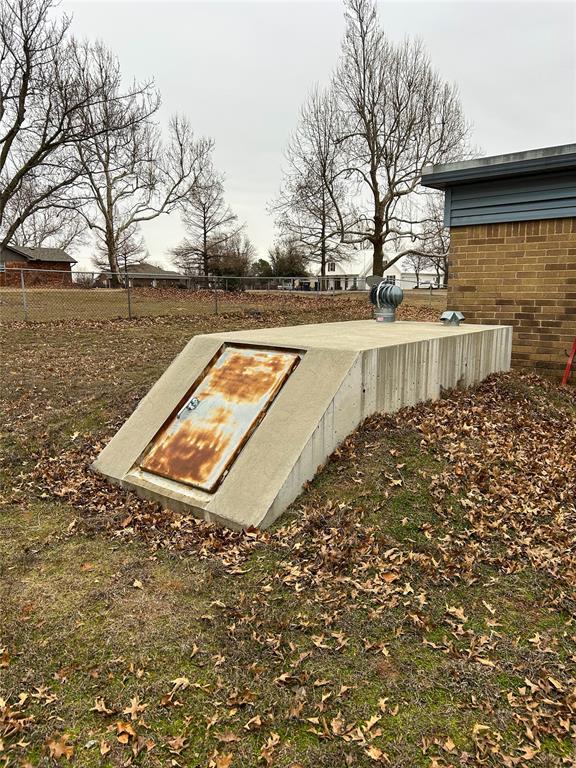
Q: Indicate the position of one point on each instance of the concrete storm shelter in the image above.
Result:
(512, 259)
(241, 420)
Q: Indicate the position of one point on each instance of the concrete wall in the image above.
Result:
(521, 274)
(348, 371)
(384, 380)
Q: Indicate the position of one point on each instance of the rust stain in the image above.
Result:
(190, 454)
(244, 378)
(198, 444)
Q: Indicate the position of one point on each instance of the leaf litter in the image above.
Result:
(345, 585)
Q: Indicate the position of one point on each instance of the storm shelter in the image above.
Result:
(241, 420)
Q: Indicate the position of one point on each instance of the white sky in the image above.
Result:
(240, 71)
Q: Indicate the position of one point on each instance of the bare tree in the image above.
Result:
(435, 236)
(47, 82)
(130, 251)
(130, 175)
(398, 116)
(48, 226)
(428, 242)
(209, 222)
(418, 262)
(312, 194)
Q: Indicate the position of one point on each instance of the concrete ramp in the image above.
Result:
(241, 420)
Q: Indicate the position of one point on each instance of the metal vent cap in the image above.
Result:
(451, 317)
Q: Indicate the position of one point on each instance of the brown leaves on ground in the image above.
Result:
(52, 307)
(428, 621)
(59, 747)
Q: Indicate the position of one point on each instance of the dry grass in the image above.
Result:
(54, 304)
(386, 619)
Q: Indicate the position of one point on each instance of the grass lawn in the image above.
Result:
(415, 607)
(48, 304)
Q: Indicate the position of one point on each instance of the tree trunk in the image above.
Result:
(112, 259)
(378, 243)
(378, 257)
(205, 259)
(323, 237)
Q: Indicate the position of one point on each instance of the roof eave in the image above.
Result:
(19, 251)
(436, 178)
(69, 260)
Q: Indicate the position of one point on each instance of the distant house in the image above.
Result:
(340, 276)
(351, 275)
(38, 266)
(408, 279)
(145, 275)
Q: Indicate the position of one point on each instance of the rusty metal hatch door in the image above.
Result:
(198, 445)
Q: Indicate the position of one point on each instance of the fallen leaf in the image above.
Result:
(59, 748)
(177, 744)
(374, 752)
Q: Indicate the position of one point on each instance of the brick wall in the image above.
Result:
(49, 273)
(520, 274)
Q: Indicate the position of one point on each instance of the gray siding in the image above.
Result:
(529, 198)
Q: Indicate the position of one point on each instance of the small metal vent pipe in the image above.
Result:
(451, 317)
(386, 297)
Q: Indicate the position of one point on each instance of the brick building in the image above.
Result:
(512, 259)
(40, 266)
(145, 275)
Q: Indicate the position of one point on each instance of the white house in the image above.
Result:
(340, 276)
(352, 274)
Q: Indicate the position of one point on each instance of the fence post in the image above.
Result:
(126, 277)
(23, 288)
(215, 296)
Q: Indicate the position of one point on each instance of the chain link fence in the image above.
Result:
(40, 295)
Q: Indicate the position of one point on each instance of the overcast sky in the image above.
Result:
(240, 71)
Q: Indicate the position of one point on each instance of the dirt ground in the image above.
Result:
(415, 607)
